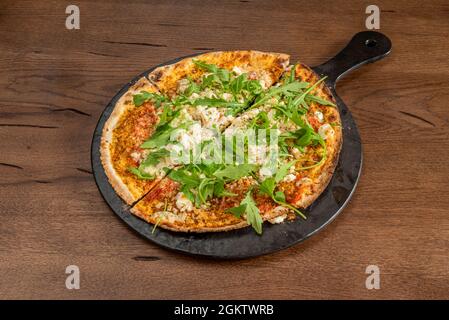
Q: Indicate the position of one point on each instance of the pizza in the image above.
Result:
(221, 141)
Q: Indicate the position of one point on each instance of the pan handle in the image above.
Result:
(364, 47)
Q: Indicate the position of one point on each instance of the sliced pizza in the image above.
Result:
(302, 113)
(169, 142)
(125, 130)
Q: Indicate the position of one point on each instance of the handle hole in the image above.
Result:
(370, 43)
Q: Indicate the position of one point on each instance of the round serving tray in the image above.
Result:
(364, 47)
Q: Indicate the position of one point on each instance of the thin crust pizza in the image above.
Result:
(230, 139)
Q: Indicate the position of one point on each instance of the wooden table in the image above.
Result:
(56, 82)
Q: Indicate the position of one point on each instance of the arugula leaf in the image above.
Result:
(305, 137)
(301, 98)
(252, 213)
(267, 186)
(235, 172)
(283, 170)
(206, 189)
(167, 115)
(261, 121)
(237, 84)
(140, 174)
(319, 100)
(296, 118)
(192, 87)
(220, 191)
(222, 74)
(323, 158)
(280, 196)
(158, 139)
(182, 177)
(253, 87)
(143, 96)
(248, 207)
(161, 136)
(274, 91)
(237, 211)
(154, 157)
(292, 73)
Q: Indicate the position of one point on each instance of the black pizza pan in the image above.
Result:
(364, 47)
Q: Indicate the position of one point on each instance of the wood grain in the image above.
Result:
(56, 82)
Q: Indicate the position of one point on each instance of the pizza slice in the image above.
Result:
(315, 144)
(126, 129)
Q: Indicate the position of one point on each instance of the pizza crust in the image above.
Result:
(124, 104)
(168, 225)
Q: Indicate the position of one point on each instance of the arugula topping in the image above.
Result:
(217, 102)
(282, 89)
(269, 185)
(144, 96)
(201, 182)
(249, 209)
(222, 75)
(154, 157)
(235, 172)
(242, 89)
(160, 138)
(140, 174)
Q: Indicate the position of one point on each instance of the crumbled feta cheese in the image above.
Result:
(325, 131)
(208, 116)
(303, 181)
(169, 216)
(265, 172)
(227, 96)
(208, 93)
(278, 219)
(186, 140)
(194, 96)
(237, 70)
(183, 116)
(183, 84)
(136, 156)
(265, 80)
(158, 170)
(319, 116)
(296, 153)
(290, 177)
(183, 203)
(151, 170)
